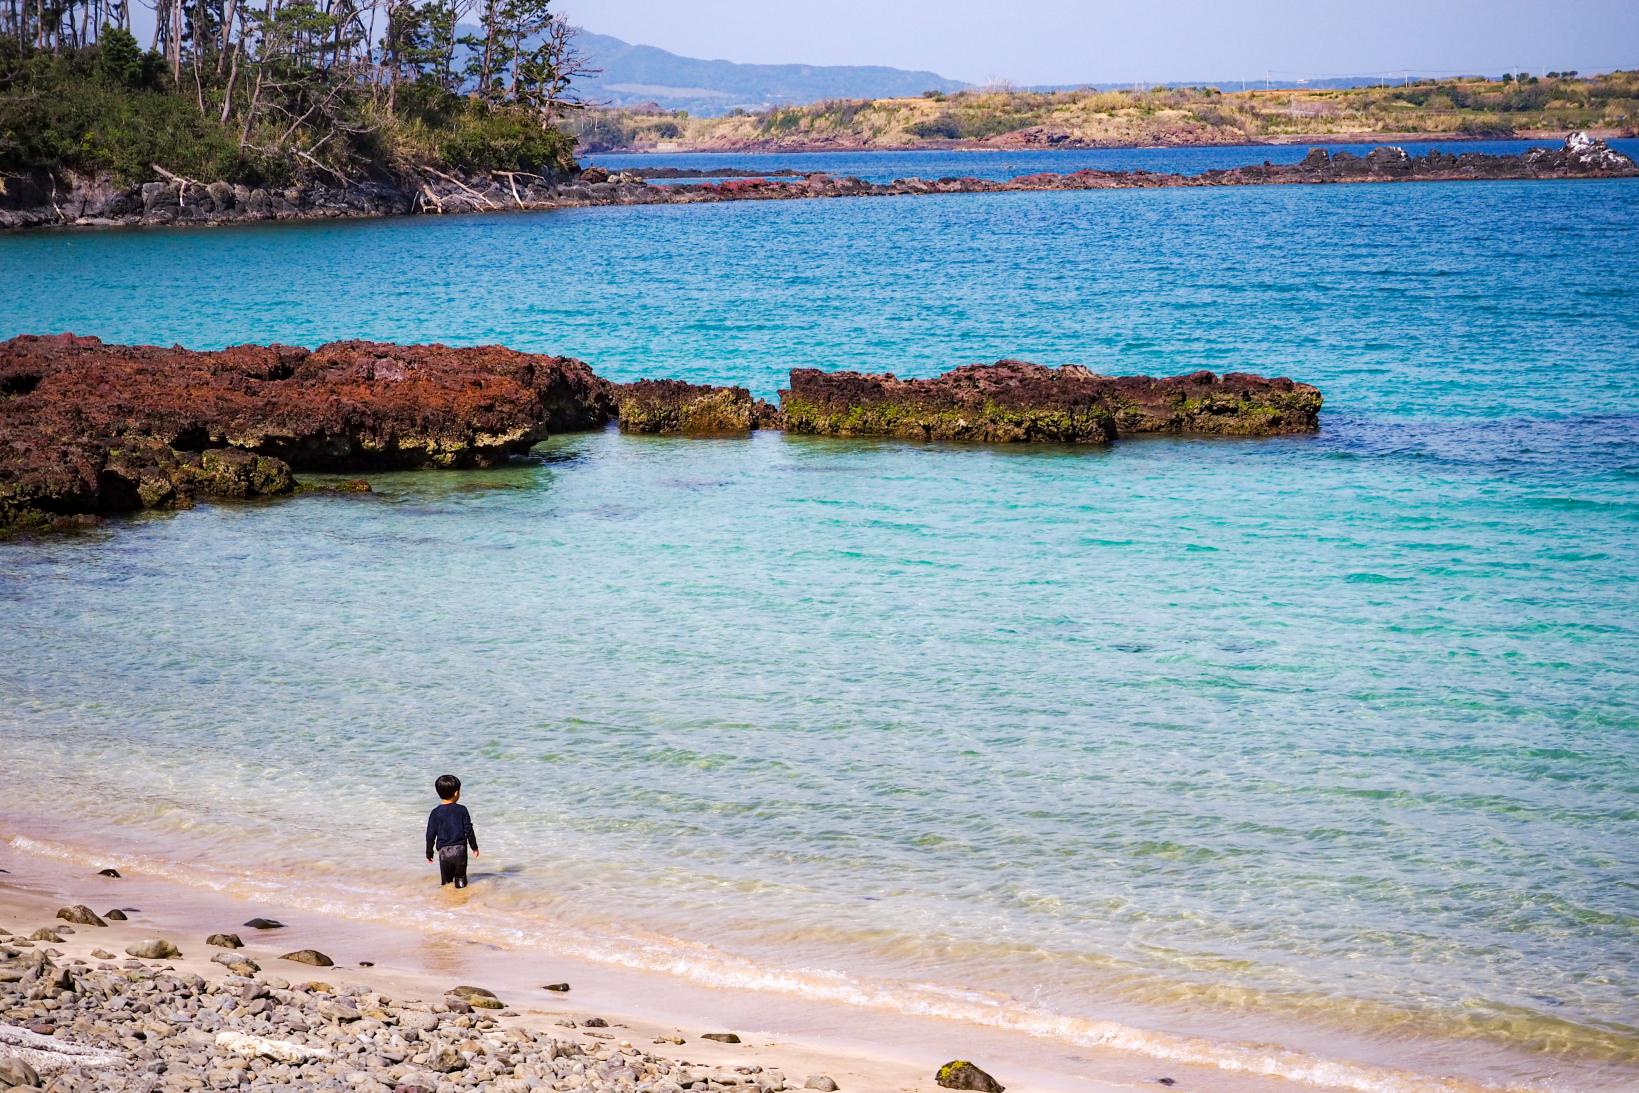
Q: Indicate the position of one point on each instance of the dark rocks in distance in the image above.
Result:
(265, 924)
(89, 428)
(309, 956)
(1014, 401)
(81, 914)
(721, 1037)
(115, 915)
(671, 407)
(560, 988)
(4, 381)
(154, 948)
(225, 941)
(97, 203)
(961, 1074)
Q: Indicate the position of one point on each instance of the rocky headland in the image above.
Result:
(92, 202)
(90, 429)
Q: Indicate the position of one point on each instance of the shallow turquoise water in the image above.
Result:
(1336, 732)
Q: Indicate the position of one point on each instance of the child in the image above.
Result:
(449, 832)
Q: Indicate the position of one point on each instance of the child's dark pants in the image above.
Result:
(452, 865)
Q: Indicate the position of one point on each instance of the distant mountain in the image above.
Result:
(644, 74)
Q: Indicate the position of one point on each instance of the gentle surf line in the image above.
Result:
(718, 970)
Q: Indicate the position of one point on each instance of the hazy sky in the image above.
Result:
(1070, 41)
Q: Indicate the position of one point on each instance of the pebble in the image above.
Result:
(177, 1032)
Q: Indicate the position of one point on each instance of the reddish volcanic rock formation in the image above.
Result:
(1016, 401)
(89, 428)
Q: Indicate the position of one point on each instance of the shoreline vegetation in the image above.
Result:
(88, 429)
(269, 96)
(1473, 108)
(37, 202)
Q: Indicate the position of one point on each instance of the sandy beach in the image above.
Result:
(783, 1044)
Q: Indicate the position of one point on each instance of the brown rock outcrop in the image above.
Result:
(1014, 401)
(90, 428)
(688, 409)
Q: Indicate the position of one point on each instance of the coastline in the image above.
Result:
(860, 1046)
(96, 203)
(859, 1051)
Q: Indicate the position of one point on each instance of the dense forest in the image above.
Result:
(263, 91)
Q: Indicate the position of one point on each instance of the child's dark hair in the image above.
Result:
(448, 785)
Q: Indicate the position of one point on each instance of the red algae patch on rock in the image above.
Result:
(88, 428)
(1015, 401)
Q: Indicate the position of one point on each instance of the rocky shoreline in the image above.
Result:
(89, 429)
(43, 202)
(136, 1023)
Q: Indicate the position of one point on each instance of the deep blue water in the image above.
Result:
(1342, 729)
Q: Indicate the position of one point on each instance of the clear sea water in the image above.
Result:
(1330, 739)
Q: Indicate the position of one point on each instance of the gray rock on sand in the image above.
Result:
(153, 948)
(46, 933)
(102, 954)
(15, 1073)
(594, 1022)
(236, 963)
(115, 915)
(225, 941)
(265, 924)
(81, 914)
(821, 1083)
(477, 997)
(721, 1037)
(961, 1074)
(310, 956)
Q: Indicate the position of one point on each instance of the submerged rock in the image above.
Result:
(1015, 401)
(265, 924)
(115, 915)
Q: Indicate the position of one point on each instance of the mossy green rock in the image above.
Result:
(961, 1074)
(670, 407)
(1018, 402)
